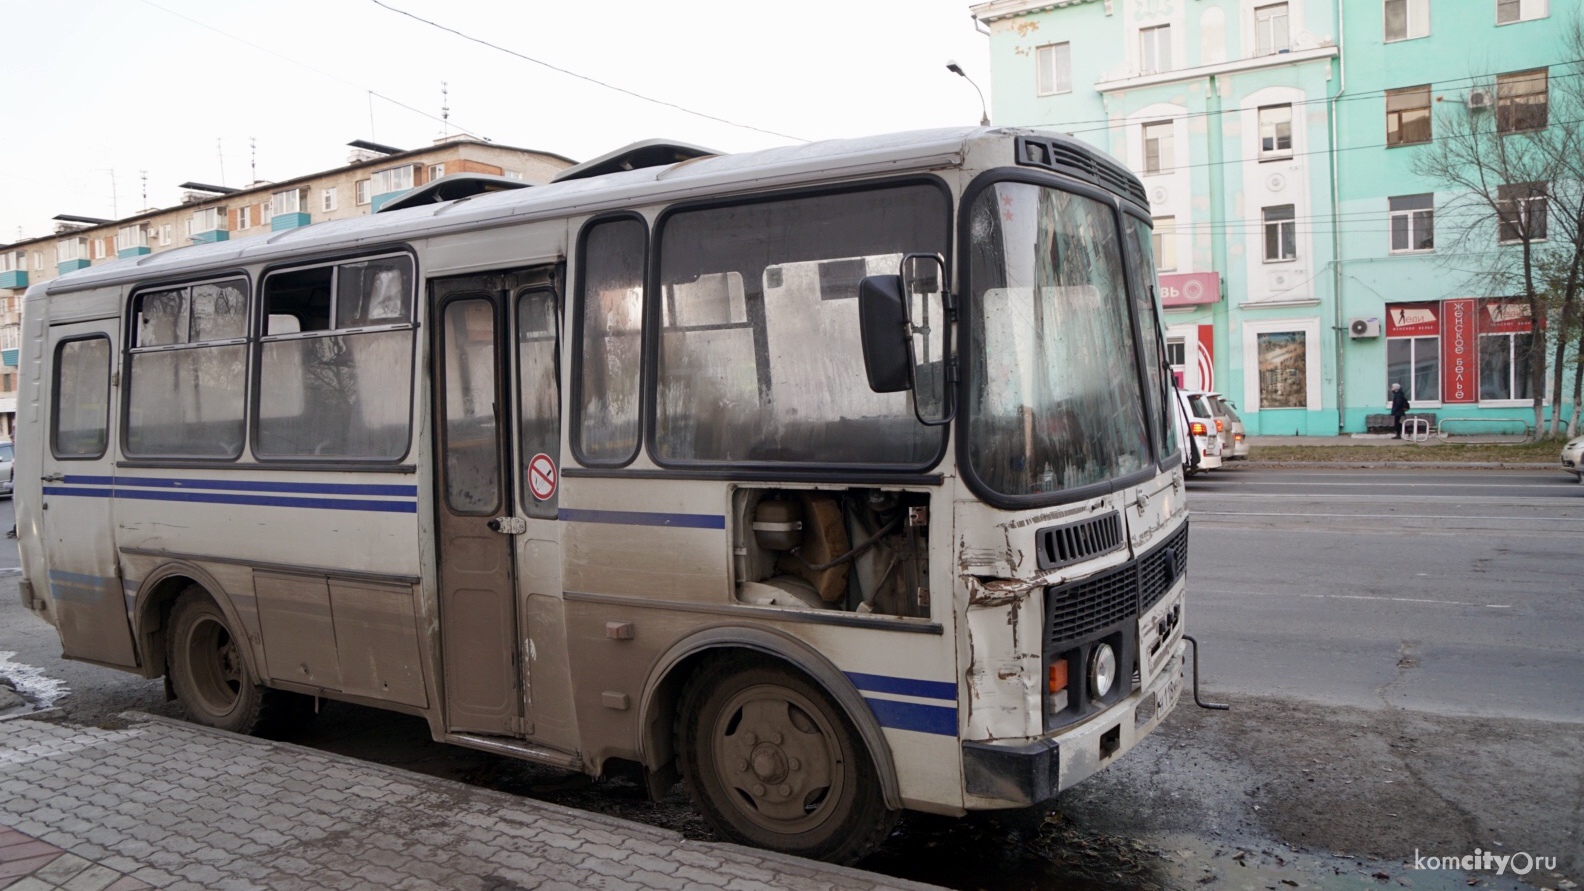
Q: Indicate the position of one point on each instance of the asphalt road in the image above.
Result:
(1451, 592)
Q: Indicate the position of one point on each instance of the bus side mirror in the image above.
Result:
(883, 328)
(929, 318)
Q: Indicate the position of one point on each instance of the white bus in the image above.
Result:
(830, 480)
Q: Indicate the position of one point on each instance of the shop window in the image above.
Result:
(1415, 363)
(1504, 366)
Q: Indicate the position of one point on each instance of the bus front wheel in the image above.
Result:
(772, 762)
(211, 676)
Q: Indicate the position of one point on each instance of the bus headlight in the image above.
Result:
(1102, 671)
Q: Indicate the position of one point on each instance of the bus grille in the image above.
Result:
(1059, 546)
(1077, 610)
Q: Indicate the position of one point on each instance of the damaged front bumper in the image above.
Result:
(1012, 774)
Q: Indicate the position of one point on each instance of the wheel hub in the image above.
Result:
(769, 763)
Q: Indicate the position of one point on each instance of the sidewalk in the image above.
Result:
(162, 804)
(1345, 449)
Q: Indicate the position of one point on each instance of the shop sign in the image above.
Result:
(1190, 288)
(1413, 320)
(1460, 351)
(1504, 317)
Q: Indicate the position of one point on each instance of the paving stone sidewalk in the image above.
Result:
(162, 804)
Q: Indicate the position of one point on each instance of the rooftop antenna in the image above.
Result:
(220, 151)
(114, 214)
(143, 175)
(445, 110)
(252, 159)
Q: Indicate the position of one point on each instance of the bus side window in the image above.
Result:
(337, 359)
(79, 427)
(187, 371)
(610, 310)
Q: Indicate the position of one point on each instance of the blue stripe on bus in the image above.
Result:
(637, 518)
(248, 486)
(77, 578)
(77, 587)
(913, 716)
(879, 683)
(397, 507)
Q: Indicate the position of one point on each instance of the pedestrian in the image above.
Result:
(1399, 409)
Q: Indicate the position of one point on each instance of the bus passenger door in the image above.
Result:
(76, 524)
(476, 521)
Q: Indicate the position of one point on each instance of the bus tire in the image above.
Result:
(212, 677)
(773, 762)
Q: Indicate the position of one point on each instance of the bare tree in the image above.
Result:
(1515, 169)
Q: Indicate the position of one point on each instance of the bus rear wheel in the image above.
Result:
(772, 762)
(211, 676)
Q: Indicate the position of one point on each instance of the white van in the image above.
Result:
(1196, 425)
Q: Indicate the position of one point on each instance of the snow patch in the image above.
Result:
(31, 682)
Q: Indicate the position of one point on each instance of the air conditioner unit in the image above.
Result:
(1479, 99)
(1360, 329)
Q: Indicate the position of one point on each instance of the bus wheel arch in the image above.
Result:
(157, 597)
(694, 661)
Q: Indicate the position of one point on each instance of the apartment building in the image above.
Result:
(374, 175)
(1296, 247)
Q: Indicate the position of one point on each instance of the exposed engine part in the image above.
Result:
(858, 550)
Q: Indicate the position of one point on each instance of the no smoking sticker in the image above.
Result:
(542, 477)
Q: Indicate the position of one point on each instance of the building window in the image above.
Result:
(1270, 29)
(1281, 234)
(1521, 212)
(1053, 68)
(1164, 234)
(1510, 11)
(70, 249)
(209, 219)
(1407, 19)
(245, 217)
(514, 175)
(1412, 223)
(98, 245)
(1275, 131)
(38, 261)
(1159, 147)
(1504, 366)
(13, 261)
(1415, 363)
(327, 199)
(1408, 116)
(164, 234)
(360, 192)
(1155, 49)
(396, 179)
(286, 201)
(1521, 101)
(435, 172)
(131, 237)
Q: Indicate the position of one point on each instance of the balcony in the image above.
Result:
(283, 221)
(138, 251)
(66, 266)
(14, 278)
(210, 237)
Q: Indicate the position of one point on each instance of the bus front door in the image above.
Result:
(75, 522)
(476, 521)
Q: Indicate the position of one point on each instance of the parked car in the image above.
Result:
(5, 470)
(1572, 457)
(1198, 431)
(1234, 439)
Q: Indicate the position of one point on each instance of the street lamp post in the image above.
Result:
(954, 68)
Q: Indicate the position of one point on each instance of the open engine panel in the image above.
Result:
(858, 550)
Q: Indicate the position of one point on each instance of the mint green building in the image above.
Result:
(1297, 251)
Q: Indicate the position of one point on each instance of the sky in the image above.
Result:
(114, 103)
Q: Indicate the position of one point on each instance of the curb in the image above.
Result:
(1402, 465)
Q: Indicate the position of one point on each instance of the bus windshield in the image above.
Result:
(1055, 401)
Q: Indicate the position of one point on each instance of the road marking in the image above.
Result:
(1560, 484)
(1372, 597)
(1217, 513)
